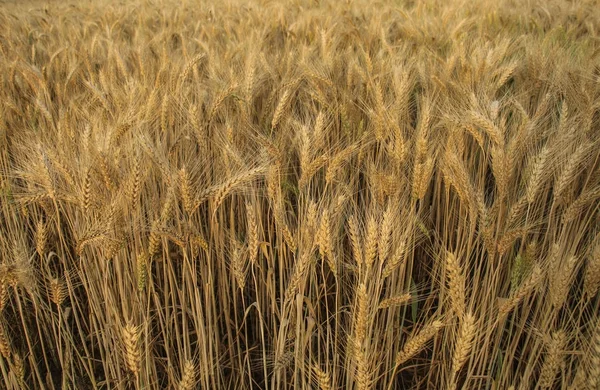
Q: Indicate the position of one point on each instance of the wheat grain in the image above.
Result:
(570, 172)
(188, 68)
(106, 175)
(591, 281)
(238, 266)
(417, 342)
(221, 191)
(58, 291)
(536, 177)
(311, 169)
(41, 238)
(18, 367)
(584, 200)
(141, 271)
(422, 177)
(355, 240)
(131, 337)
(394, 301)
(501, 169)
(490, 129)
(288, 236)
(456, 283)
(281, 106)
(186, 190)
(364, 374)
(324, 242)
(371, 241)
(593, 365)
(5, 344)
(560, 281)
(361, 316)
(386, 234)
(338, 161)
(252, 233)
(188, 376)
(219, 99)
(464, 342)
(153, 240)
(300, 270)
(323, 378)
(525, 289)
(553, 359)
(396, 260)
(4, 294)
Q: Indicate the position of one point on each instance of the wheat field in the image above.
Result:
(303, 194)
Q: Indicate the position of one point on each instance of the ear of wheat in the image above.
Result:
(417, 342)
(294, 195)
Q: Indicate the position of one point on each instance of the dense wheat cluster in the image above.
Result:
(300, 195)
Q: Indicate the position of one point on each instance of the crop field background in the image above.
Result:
(300, 194)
